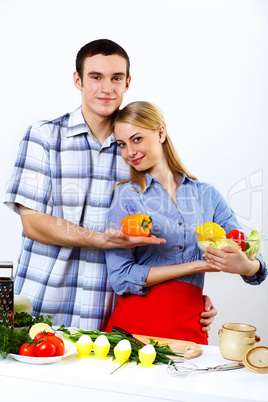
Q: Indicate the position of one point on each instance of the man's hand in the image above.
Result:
(113, 238)
(207, 316)
(51, 230)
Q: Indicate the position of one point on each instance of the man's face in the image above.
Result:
(103, 85)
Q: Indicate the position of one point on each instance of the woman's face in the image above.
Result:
(140, 147)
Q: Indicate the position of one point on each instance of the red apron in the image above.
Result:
(169, 310)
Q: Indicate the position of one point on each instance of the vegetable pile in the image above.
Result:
(11, 338)
(44, 344)
(214, 236)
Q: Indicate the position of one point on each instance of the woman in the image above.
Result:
(160, 286)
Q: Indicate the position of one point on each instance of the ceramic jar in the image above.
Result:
(236, 339)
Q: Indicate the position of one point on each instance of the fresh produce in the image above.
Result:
(163, 352)
(22, 304)
(218, 244)
(43, 335)
(44, 344)
(253, 247)
(210, 229)
(237, 235)
(59, 344)
(137, 225)
(20, 341)
(24, 319)
(39, 328)
(11, 340)
(45, 348)
(27, 349)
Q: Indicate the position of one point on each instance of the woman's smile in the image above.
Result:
(137, 160)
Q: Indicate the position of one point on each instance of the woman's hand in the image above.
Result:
(231, 260)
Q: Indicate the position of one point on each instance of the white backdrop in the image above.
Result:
(204, 62)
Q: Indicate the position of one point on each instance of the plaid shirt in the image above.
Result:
(62, 170)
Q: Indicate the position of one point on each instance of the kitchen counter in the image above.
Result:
(72, 378)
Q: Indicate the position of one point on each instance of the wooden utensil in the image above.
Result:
(189, 350)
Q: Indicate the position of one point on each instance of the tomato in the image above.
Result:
(43, 335)
(237, 235)
(60, 346)
(45, 348)
(27, 350)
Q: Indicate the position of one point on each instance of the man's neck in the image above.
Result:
(100, 126)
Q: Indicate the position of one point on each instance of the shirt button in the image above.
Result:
(180, 247)
(180, 223)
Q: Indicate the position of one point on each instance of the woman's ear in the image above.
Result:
(162, 134)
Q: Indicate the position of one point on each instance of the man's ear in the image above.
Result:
(128, 83)
(77, 80)
(162, 134)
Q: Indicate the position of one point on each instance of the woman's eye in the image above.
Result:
(137, 139)
(121, 144)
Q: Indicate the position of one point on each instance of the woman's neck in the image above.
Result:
(169, 181)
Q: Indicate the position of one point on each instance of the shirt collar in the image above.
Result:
(77, 125)
(150, 179)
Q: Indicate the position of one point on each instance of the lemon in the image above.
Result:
(40, 327)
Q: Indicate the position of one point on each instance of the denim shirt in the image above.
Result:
(197, 203)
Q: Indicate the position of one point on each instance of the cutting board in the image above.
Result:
(189, 350)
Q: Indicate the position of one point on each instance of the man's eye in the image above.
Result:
(117, 78)
(95, 77)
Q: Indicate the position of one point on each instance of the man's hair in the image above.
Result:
(105, 47)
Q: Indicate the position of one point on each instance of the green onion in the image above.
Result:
(163, 352)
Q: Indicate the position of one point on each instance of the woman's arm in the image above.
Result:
(164, 273)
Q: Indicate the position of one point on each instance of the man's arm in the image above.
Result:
(51, 230)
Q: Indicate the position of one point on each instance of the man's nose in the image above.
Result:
(107, 86)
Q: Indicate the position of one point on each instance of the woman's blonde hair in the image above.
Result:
(149, 116)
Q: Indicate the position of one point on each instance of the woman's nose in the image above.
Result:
(131, 152)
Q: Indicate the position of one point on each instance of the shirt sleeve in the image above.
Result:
(125, 275)
(260, 276)
(226, 218)
(30, 183)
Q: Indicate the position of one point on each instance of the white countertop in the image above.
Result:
(89, 378)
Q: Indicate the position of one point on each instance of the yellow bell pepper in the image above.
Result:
(210, 229)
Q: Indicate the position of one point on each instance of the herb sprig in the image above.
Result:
(26, 320)
(11, 340)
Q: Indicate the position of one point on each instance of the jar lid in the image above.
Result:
(256, 359)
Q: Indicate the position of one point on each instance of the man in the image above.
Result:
(62, 185)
